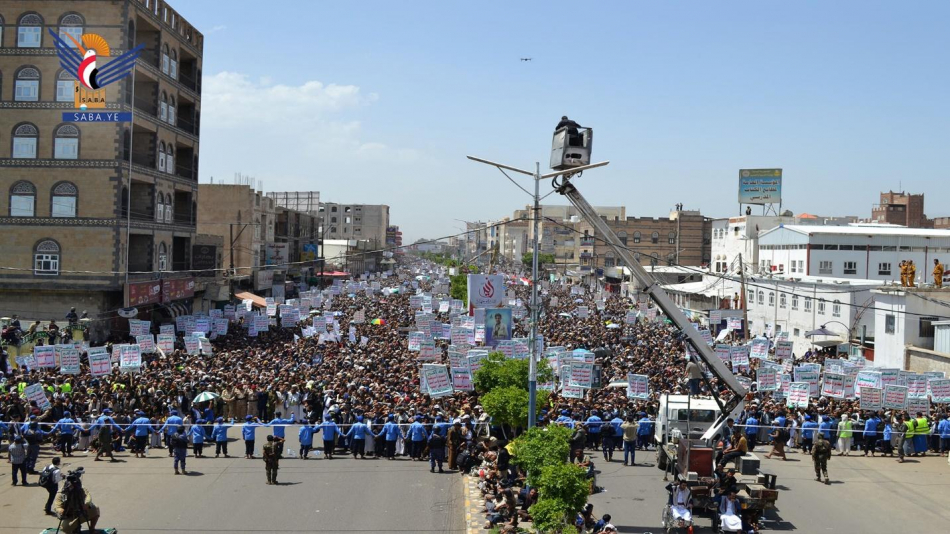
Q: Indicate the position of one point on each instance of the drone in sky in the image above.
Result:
(526, 59)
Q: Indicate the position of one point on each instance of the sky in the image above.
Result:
(379, 102)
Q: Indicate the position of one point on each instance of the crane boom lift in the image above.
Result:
(663, 301)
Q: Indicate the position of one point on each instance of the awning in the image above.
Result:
(257, 301)
(177, 309)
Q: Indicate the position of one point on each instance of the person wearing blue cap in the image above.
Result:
(305, 436)
(594, 423)
(66, 428)
(644, 431)
(808, 434)
(391, 433)
(141, 426)
(417, 438)
(330, 432)
(220, 435)
(198, 438)
(278, 423)
(358, 432)
(169, 428)
(33, 435)
(247, 432)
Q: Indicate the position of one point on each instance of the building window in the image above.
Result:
(807, 304)
(65, 86)
(24, 141)
(160, 208)
(836, 308)
(751, 299)
(821, 306)
(30, 31)
(771, 298)
(884, 269)
(161, 156)
(794, 302)
(622, 236)
(166, 61)
(782, 300)
(171, 110)
(257, 229)
(22, 199)
(163, 106)
(66, 142)
(850, 267)
(168, 209)
(173, 65)
(801, 266)
(63, 200)
(636, 237)
(27, 85)
(608, 260)
(71, 25)
(672, 238)
(46, 258)
(761, 297)
(824, 267)
(890, 324)
(170, 160)
(655, 237)
(162, 257)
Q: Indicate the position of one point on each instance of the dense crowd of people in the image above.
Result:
(361, 395)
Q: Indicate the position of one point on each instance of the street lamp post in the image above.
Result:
(535, 307)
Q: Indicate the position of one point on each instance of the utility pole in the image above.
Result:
(533, 340)
(745, 304)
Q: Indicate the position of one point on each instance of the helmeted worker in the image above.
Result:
(903, 268)
(911, 273)
(938, 274)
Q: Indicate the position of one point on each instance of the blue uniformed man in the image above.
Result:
(66, 428)
(330, 432)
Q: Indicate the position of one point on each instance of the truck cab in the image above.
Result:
(682, 417)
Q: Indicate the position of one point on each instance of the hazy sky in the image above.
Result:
(379, 102)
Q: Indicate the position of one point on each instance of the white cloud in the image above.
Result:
(281, 132)
(218, 28)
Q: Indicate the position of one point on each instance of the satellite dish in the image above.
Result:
(128, 313)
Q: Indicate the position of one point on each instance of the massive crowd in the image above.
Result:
(364, 394)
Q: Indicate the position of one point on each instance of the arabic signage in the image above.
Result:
(760, 186)
(181, 288)
(141, 293)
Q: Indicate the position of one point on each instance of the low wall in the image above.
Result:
(920, 360)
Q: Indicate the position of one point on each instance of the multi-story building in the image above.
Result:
(245, 219)
(394, 239)
(298, 231)
(680, 239)
(870, 252)
(355, 221)
(98, 214)
(901, 208)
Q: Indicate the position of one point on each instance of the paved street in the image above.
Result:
(866, 494)
(229, 495)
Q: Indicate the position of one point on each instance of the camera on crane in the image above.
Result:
(571, 145)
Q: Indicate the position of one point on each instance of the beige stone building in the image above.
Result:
(82, 197)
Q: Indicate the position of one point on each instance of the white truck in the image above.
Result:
(682, 416)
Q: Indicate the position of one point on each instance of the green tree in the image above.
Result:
(540, 447)
(508, 406)
(542, 258)
(497, 371)
(458, 287)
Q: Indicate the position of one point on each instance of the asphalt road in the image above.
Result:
(230, 495)
(866, 494)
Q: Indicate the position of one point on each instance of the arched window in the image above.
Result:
(173, 66)
(782, 300)
(821, 306)
(622, 236)
(66, 142)
(65, 86)
(159, 207)
(70, 25)
(170, 159)
(22, 199)
(25, 136)
(171, 110)
(163, 106)
(161, 156)
(671, 258)
(63, 200)
(761, 297)
(636, 256)
(165, 59)
(609, 259)
(836, 308)
(655, 237)
(794, 302)
(46, 257)
(636, 237)
(27, 84)
(162, 257)
(672, 238)
(168, 208)
(30, 31)
(771, 298)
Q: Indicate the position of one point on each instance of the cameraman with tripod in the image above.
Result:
(74, 505)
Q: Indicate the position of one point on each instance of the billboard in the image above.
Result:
(277, 254)
(204, 258)
(181, 288)
(142, 293)
(308, 252)
(497, 325)
(760, 186)
(485, 291)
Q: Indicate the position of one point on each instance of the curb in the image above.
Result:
(474, 518)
